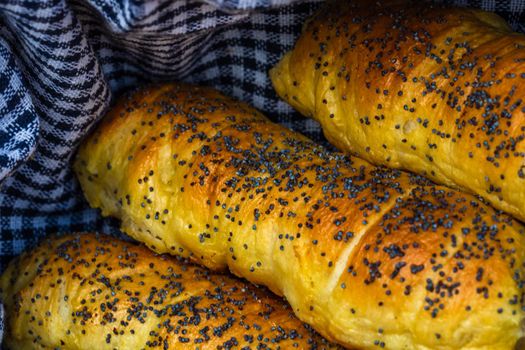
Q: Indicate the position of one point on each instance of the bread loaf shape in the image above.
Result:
(97, 292)
(370, 257)
(415, 86)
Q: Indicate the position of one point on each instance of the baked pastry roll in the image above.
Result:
(370, 257)
(410, 85)
(97, 292)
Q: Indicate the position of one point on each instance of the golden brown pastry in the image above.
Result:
(97, 292)
(370, 257)
(410, 85)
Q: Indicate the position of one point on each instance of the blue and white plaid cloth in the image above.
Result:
(63, 61)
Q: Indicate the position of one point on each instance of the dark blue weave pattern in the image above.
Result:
(19, 123)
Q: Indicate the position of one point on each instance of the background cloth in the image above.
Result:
(62, 62)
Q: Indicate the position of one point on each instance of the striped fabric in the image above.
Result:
(62, 62)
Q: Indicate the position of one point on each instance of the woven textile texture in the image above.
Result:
(62, 62)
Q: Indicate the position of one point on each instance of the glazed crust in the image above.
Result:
(97, 292)
(415, 86)
(370, 257)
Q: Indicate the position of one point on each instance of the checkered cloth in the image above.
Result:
(63, 61)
